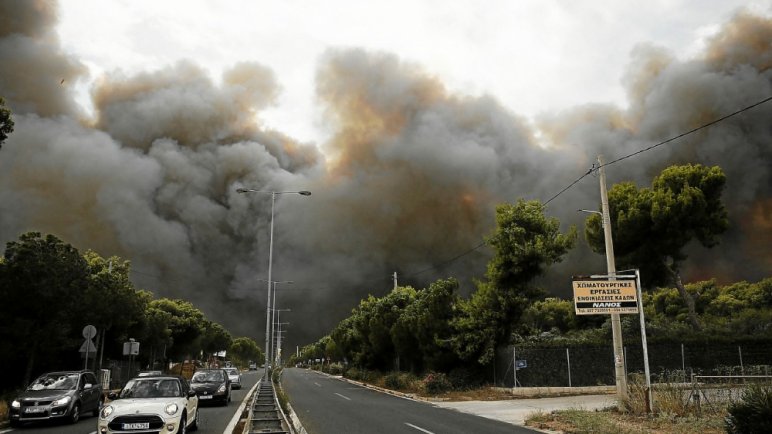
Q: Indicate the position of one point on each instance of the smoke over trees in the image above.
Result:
(409, 177)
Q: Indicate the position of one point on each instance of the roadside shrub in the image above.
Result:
(436, 383)
(464, 378)
(401, 381)
(395, 381)
(753, 413)
(357, 374)
(335, 369)
(3, 410)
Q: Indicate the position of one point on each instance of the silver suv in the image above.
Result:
(58, 395)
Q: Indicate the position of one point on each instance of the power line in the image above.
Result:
(711, 123)
(596, 167)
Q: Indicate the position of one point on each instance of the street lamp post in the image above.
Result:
(278, 341)
(274, 342)
(270, 352)
(274, 310)
(270, 262)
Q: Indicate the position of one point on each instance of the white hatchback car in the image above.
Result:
(162, 404)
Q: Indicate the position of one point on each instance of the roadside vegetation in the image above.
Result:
(50, 291)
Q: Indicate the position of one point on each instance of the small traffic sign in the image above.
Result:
(88, 347)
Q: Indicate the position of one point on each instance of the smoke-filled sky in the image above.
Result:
(409, 121)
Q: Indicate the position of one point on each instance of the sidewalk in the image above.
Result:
(516, 410)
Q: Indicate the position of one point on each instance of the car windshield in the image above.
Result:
(207, 377)
(151, 388)
(55, 382)
(232, 371)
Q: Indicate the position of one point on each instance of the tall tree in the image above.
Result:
(186, 323)
(244, 349)
(423, 330)
(110, 301)
(526, 242)
(43, 280)
(652, 226)
(6, 122)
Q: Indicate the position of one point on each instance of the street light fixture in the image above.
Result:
(270, 262)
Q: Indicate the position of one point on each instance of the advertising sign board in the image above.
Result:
(602, 296)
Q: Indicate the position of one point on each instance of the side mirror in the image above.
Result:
(191, 393)
(112, 396)
(88, 386)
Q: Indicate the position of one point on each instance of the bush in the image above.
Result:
(464, 378)
(395, 381)
(435, 383)
(404, 381)
(335, 369)
(753, 413)
(360, 375)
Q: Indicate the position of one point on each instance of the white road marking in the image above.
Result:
(344, 397)
(317, 384)
(418, 428)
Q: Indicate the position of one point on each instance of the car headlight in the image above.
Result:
(16, 403)
(62, 401)
(107, 410)
(171, 409)
(221, 389)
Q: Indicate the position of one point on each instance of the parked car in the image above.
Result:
(164, 403)
(235, 376)
(58, 395)
(212, 385)
(149, 373)
(252, 366)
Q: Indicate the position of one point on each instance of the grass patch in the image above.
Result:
(575, 421)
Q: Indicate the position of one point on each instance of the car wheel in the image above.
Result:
(100, 404)
(194, 425)
(183, 429)
(75, 413)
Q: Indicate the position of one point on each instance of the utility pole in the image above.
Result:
(395, 280)
(616, 325)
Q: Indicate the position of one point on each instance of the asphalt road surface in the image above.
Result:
(213, 419)
(327, 405)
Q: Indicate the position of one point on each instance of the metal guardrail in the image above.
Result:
(265, 413)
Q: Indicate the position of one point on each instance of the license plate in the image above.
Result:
(35, 410)
(205, 397)
(144, 425)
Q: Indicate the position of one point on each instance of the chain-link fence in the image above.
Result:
(575, 366)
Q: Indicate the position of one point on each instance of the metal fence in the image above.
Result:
(574, 366)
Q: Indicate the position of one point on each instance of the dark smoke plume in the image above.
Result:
(409, 178)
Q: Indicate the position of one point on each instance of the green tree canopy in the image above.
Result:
(526, 242)
(43, 280)
(652, 226)
(244, 349)
(423, 331)
(6, 122)
(186, 323)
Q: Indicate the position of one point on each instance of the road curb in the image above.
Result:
(410, 396)
(237, 417)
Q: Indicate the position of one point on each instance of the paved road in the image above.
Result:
(327, 405)
(213, 419)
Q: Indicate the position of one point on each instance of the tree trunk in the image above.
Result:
(688, 299)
